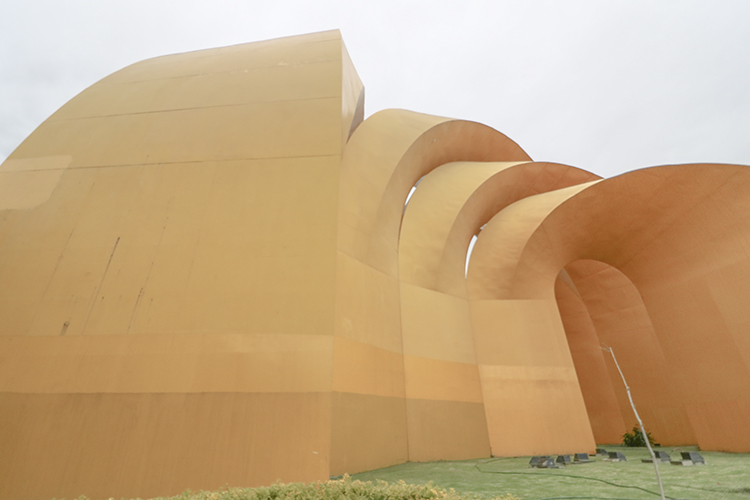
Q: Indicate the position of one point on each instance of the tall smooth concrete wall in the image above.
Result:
(168, 264)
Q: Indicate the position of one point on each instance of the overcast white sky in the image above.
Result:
(605, 85)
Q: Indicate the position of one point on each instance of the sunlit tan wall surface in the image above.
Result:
(168, 263)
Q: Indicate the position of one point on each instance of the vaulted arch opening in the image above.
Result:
(600, 306)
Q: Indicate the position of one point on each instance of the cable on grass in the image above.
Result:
(736, 491)
(476, 466)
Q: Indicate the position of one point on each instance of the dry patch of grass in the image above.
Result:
(343, 489)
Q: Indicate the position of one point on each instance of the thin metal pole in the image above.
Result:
(640, 422)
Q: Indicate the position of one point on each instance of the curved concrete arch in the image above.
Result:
(525, 366)
(602, 404)
(432, 212)
(615, 311)
(679, 233)
(451, 205)
(502, 242)
(385, 157)
(640, 206)
(438, 326)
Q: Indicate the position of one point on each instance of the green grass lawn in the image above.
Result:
(725, 476)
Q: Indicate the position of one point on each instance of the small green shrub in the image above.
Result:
(635, 438)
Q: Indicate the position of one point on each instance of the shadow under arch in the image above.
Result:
(600, 306)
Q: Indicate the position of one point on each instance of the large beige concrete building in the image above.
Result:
(210, 275)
